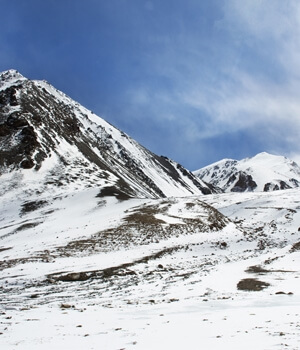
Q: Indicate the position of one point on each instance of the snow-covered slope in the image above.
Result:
(264, 172)
(48, 142)
(92, 272)
(90, 267)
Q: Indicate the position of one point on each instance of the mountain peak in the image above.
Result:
(262, 154)
(51, 143)
(265, 155)
(10, 77)
(11, 74)
(263, 172)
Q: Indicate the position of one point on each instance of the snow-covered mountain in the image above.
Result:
(263, 172)
(48, 142)
(91, 270)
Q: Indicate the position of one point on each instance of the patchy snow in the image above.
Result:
(10, 78)
(178, 292)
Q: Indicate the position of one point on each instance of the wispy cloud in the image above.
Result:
(253, 84)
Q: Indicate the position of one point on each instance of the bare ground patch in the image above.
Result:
(252, 285)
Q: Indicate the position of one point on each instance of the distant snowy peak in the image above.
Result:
(263, 172)
(49, 142)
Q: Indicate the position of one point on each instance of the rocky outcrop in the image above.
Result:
(244, 183)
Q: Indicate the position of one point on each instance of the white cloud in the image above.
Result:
(273, 23)
(247, 100)
(262, 19)
(244, 76)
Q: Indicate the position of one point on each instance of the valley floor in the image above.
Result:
(69, 282)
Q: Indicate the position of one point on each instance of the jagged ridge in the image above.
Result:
(47, 141)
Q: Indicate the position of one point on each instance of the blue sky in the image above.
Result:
(195, 80)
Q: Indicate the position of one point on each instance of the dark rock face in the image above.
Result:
(294, 182)
(276, 187)
(284, 185)
(15, 127)
(16, 121)
(270, 187)
(27, 163)
(244, 183)
(296, 246)
(28, 207)
(113, 191)
(10, 96)
(4, 130)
